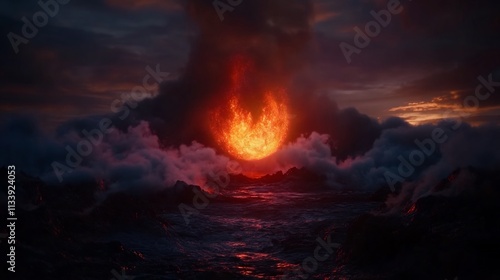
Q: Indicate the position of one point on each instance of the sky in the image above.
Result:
(425, 61)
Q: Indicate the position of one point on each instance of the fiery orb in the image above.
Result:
(243, 135)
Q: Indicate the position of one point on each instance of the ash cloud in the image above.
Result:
(272, 34)
(275, 36)
(464, 148)
(132, 160)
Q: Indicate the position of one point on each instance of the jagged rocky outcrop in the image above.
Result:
(437, 237)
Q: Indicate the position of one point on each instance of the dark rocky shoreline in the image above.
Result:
(437, 237)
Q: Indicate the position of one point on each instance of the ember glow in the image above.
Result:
(239, 132)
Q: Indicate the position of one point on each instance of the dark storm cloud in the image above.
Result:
(87, 55)
(462, 78)
(425, 42)
(48, 71)
(425, 32)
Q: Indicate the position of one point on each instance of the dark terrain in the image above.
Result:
(256, 229)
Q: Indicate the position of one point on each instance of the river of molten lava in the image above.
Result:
(236, 129)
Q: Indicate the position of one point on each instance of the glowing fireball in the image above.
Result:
(244, 136)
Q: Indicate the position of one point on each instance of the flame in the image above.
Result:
(243, 136)
(250, 140)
